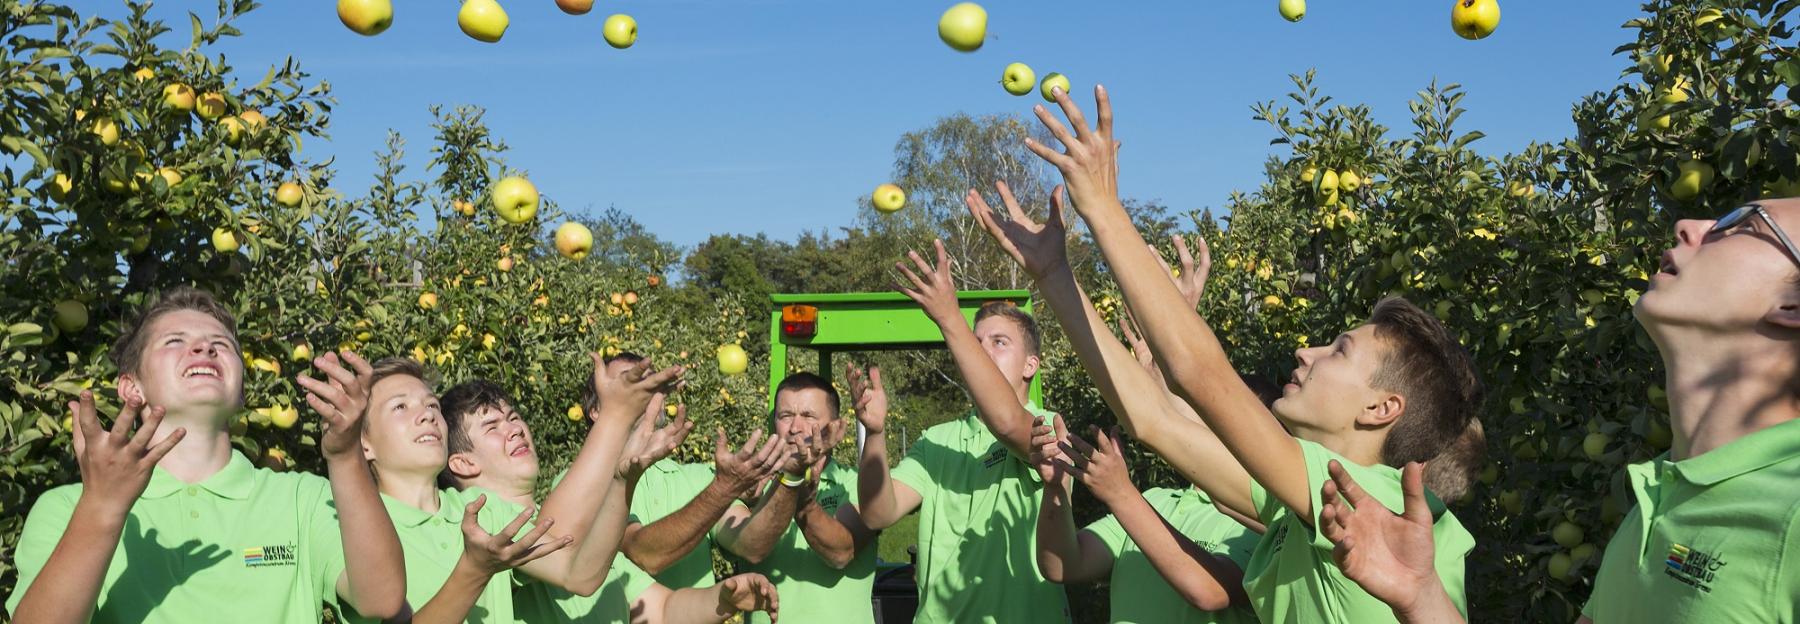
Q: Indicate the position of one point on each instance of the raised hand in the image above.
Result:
(1192, 280)
(649, 443)
(746, 469)
(1089, 162)
(1046, 450)
(116, 464)
(492, 553)
(341, 401)
(1100, 466)
(932, 287)
(1390, 555)
(869, 397)
(749, 592)
(626, 395)
(1041, 249)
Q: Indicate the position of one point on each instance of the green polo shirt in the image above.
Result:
(977, 528)
(668, 486)
(1291, 576)
(244, 544)
(433, 542)
(1139, 592)
(810, 590)
(1713, 538)
(546, 603)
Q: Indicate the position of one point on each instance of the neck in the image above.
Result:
(1022, 389)
(419, 491)
(515, 491)
(1721, 390)
(204, 450)
(1356, 445)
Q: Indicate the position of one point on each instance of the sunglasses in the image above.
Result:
(1738, 215)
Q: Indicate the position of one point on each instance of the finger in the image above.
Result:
(536, 534)
(1056, 128)
(1412, 487)
(319, 405)
(470, 526)
(121, 428)
(329, 365)
(750, 447)
(1203, 260)
(361, 366)
(331, 394)
(1081, 445)
(1012, 204)
(1049, 154)
(1070, 468)
(85, 417)
(917, 284)
(943, 259)
(167, 444)
(1328, 518)
(720, 447)
(518, 522)
(1055, 219)
(146, 432)
(663, 377)
(1353, 493)
(1066, 100)
(875, 377)
(539, 551)
(1103, 111)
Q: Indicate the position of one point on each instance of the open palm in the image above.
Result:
(1389, 555)
(1040, 248)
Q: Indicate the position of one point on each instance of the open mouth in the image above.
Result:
(200, 370)
(1668, 264)
(429, 438)
(523, 450)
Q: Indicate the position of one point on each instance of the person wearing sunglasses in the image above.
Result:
(1715, 533)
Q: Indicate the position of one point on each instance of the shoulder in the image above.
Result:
(56, 504)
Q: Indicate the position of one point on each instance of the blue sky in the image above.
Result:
(745, 116)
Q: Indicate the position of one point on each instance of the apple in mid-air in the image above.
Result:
(888, 198)
(574, 240)
(366, 17)
(482, 20)
(963, 26)
(733, 360)
(70, 316)
(288, 194)
(515, 199)
(575, 7)
(1475, 19)
(1293, 10)
(1018, 79)
(1053, 81)
(620, 31)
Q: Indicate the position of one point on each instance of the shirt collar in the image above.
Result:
(1746, 454)
(450, 510)
(236, 481)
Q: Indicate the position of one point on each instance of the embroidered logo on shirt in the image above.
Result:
(994, 457)
(1693, 567)
(277, 555)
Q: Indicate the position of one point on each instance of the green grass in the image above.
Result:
(895, 539)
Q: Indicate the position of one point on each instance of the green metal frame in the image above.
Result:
(878, 321)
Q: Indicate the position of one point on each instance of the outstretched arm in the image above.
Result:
(1205, 580)
(884, 501)
(1138, 399)
(1063, 554)
(1185, 346)
(834, 536)
(484, 555)
(374, 578)
(1390, 555)
(995, 400)
(658, 545)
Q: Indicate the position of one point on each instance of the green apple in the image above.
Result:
(169, 175)
(888, 198)
(963, 26)
(366, 17)
(1559, 566)
(210, 106)
(733, 360)
(1693, 177)
(70, 316)
(1595, 444)
(1018, 79)
(1520, 189)
(283, 417)
(1309, 174)
(302, 352)
(620, 31)
(1567, 534)
(288, 194)
(575, 7)
(179, 97)
(1328, 181)
(1511, 502)
(107, 131)
(224, 240)
(1348, 181)
(1780, 188)
(1051, 82)
(60, 186)
(1584, 552)
(482, 20)
(574, 240)
(1475, 19)
(1293, 10)
(234, 130)
(515, 199)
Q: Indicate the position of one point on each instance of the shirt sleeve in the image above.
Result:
(323, 534)
(1110, 532)
(44, 527)
(915, 469)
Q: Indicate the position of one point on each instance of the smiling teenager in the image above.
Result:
(170, 524)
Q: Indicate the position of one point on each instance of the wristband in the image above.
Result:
(796, 480)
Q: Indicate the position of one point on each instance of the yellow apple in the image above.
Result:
(107, 131)
(504, 264)
(143, 73)
(963, 27)
(1293, 10)
(234, 130)
(733, 360)
(1052, 82)
(60, 186)
(210, 106)
(366, 17)
(302, 352)
(428, 301)
(70, 316)
(1584, 552)
(283, 417)
(170, 175)
(1691, 179)
(224, 240)
(620, 31)
(574, 240)
(575, 7)
(631, 297)
(1475, 19)
(179, 97)
(515, 199)
(482, 20)
(1018, 79)
(288, 194)
(888, 198)
(1309, 174)
(254, 120)
(575, 413)
(1348, 181)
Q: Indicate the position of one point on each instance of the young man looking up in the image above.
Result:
(970, 478)
(492, 453)
(175, 496)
